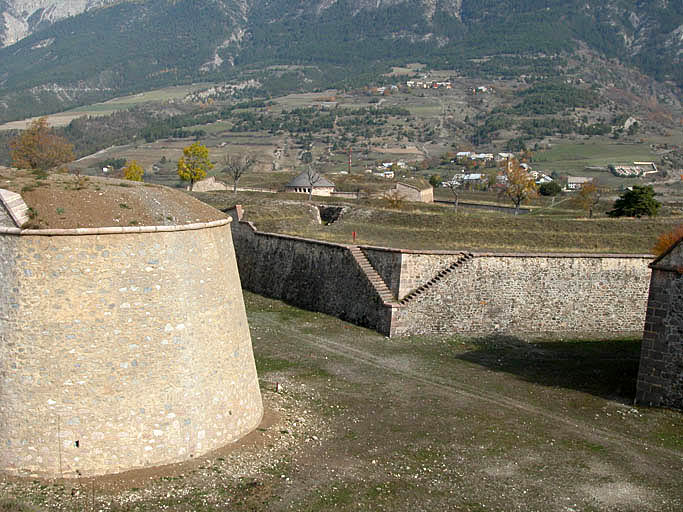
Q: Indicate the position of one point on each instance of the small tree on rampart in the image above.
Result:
(519, 186)
(312, 177)
(454, 185)
(38, 148)
(394, 199)
(133, 171)
(236, 166)
(588, 196)
(638, 201)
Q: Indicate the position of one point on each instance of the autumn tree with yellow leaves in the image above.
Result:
(39, 148)
(588, 196)
(194, 164)
(519, 185)
(133, 171)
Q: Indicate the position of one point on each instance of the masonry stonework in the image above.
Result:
(530, 294)
(450, 292)
(313, 275)
(660, 375)
(121, 350)
(414, 193)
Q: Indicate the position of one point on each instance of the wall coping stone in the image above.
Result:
(559, 255)
(292, 237)
(113, 230)
(666, 268)
(506, 254)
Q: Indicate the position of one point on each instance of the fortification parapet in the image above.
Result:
(121, 348)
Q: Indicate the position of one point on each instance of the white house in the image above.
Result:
(543, 178)
(575, 182)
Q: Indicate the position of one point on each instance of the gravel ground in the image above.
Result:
(207, 482)
(363, 422)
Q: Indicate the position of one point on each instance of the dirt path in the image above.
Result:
(447, 424)
(462, 389)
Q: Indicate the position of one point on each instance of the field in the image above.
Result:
(107, 107)
(362, 422)
(573, 157)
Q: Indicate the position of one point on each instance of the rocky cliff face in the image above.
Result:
(19, 18)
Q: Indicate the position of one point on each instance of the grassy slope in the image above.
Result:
(436, 227)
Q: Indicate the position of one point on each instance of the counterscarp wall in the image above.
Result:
(543, 294)
(121, 348)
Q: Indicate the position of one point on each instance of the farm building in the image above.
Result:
(304, 182)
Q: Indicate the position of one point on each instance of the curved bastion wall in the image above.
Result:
(121, 348)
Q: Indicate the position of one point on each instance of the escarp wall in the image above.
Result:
(121, 348)
(310, 274)
(448, 292)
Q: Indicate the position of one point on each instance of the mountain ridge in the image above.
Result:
(21, 18)
(132, 46)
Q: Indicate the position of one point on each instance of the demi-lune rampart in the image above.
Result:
(121, 347)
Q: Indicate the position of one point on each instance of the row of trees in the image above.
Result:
(39, 148)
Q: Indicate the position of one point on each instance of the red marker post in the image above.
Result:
(353, 234)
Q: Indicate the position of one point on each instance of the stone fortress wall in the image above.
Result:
(553, 295)
(660, 375)
(121, 348)
(541, 294)
(309, 274)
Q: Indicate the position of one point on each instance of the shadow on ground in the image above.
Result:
(605, 368)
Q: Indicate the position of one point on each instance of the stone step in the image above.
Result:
(464, 257)
(375, 279)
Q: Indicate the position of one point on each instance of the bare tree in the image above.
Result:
(313, 177)
(394, 199)
(236, 166)
(454, 185)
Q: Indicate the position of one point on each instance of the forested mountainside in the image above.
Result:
(130, 46)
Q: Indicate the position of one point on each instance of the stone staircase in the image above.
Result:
(372, 275)
(15, 206)
(464, 257)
